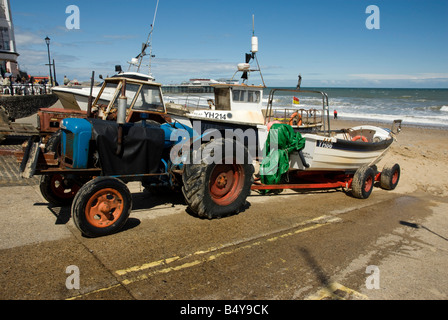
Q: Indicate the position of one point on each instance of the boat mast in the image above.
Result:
(145, 45)
(150, 43)
(245, 67)
(254, 51)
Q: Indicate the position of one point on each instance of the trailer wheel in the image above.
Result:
(362, 184)
(215, 190)
(390, 176)
(101, 207)
(57, 189)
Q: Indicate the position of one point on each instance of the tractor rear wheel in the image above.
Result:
(218, 189)
(101, 207)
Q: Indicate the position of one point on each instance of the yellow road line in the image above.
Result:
(158, 263)
(326, 220)
(336, 291)
(95, 291)
(316, 223)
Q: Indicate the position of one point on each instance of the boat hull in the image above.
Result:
(78, 98)
(323, 153)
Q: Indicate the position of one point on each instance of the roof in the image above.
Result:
(229, 85)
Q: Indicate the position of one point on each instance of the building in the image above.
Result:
(197, 85)
(8, 53)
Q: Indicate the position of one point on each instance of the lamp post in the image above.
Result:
(47, 41)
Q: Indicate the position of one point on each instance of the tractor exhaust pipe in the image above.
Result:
(121, 117)
(89, 107)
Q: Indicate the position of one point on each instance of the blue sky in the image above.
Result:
(326, 41)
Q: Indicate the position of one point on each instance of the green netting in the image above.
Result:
(276, 162)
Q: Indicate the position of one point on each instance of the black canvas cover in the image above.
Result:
(141, 149)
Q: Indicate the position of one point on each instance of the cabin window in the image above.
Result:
(238, 95)
(222, 99)
(131, 90)
(246, 96)
(253, 96)
(149, 99)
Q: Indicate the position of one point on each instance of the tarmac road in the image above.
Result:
(322, 245)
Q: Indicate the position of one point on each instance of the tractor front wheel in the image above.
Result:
(101, 207)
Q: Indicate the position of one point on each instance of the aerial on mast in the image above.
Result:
(245, 67)
(137, 61)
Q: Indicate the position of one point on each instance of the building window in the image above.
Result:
(4, 39)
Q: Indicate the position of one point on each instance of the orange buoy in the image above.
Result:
(271, 123)
(297, 118)
(360, 138)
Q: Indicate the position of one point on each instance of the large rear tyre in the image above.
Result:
(390, 176)
(57, 189)
(101, 207)
(219, 189)
(362, 184)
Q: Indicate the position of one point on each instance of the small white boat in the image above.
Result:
(77, 98)
(345, 150)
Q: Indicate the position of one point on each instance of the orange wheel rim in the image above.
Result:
(395, 177)
(226, 182)
(104, 208)
(60, 189)
(368, 184)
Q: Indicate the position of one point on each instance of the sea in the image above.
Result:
(422, 107)
(426, 107)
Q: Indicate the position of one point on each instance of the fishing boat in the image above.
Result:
(77, 97)
(240, 107)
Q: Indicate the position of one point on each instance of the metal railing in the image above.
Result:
(325, 115)
(20, 89)
(189, 101)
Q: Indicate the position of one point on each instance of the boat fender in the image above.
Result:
(296, 119)
(271, 123)
(306, 165)
(360, 138)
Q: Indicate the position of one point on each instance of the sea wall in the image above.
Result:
(25, 106)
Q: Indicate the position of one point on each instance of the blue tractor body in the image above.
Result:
(80, 140)
(76, 135)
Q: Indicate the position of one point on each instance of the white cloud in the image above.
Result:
(182, 69)
(25, 39)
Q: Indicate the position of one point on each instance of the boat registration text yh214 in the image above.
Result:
(216, 115)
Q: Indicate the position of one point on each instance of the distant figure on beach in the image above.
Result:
(335, 114)
(66, 81)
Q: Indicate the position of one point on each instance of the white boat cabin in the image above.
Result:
(238, 103)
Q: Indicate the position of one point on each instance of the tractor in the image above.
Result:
(89, 161)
